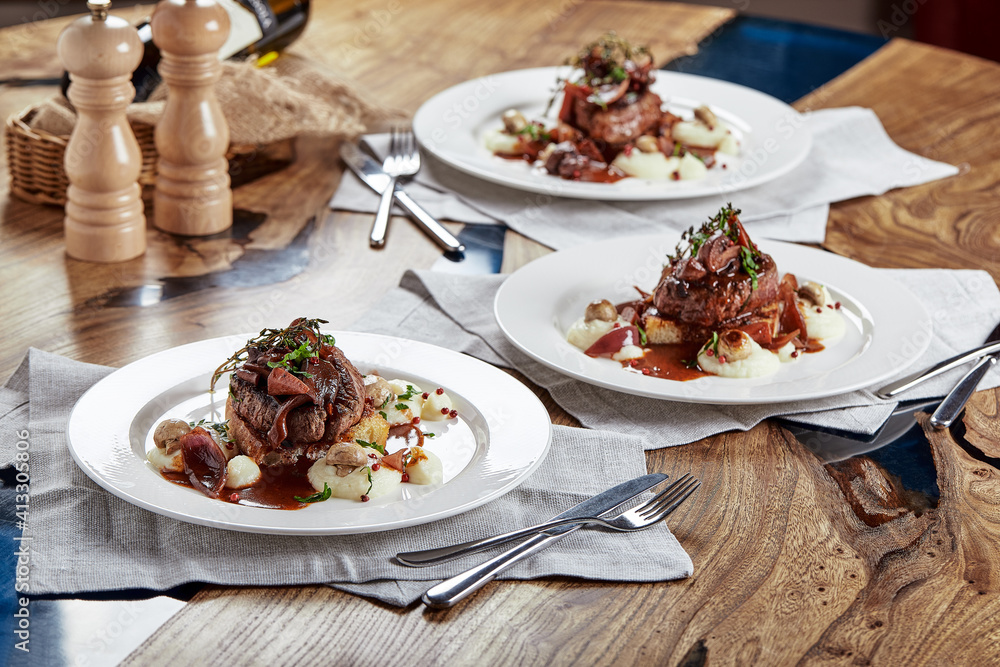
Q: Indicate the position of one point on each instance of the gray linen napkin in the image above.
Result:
(852, 156)
(457, 312)
(84, 539)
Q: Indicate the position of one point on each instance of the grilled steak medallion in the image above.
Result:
(292, 395)
(699, 291)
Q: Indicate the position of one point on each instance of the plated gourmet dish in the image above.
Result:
(720, 308)
(610, 125)
(302, 425)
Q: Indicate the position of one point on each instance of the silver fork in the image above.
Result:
(638, 518)
(402, 160)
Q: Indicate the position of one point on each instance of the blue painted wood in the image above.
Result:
(784, 59)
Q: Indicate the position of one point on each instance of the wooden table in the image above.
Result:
(794, 561)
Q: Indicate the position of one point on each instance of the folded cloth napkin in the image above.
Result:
(83, 539)
(457, 312)
(851, 156)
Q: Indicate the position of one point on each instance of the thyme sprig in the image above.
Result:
(607, 60)
(727, 222)
(304, 333)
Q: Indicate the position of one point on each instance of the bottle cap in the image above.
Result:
(99, 9)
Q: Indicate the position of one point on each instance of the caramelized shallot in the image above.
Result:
(204, 462)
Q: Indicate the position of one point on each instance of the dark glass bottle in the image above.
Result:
(257, 27)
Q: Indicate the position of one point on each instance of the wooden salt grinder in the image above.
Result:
(193, 196)
(104, 219)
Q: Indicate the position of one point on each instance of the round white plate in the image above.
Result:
(452, 125)
(501, 435)
(887, 328)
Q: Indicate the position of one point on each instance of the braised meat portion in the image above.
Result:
(307, 423)
(719, 276)
(713, 286)
(292, 394)
(620, 123)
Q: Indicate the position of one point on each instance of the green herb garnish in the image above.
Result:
(712, 344)
(536, 132)
(371, 445)
(642, 334)
(726, 222)
(384, 416)
(608, 60)
(749, 265)
(410, 391)
(401, 406)
(300, 332)
(317, 497)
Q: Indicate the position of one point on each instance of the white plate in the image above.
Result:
(451, 126)
(501, 436)
(887, 328)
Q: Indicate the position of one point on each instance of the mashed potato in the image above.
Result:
(424, 467)
(697, 133)
(384, 481)
(166, 462)
(583, 334)
(434, 404)
(756, 362)
(823, 321)
(650, 166)
(498, 141)
(241, 472)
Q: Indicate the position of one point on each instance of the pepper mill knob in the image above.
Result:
(104, 213)
(193, 195)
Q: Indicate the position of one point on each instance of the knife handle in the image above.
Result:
(428, 557)
(377, 237)
(953, 403)
(441, 236)
(454, 590)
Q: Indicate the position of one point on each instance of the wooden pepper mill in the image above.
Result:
(104, 213)
(193, 196)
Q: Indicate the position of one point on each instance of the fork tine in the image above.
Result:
(413, 154)
(674, 502)
(392, 141)
(664, 496)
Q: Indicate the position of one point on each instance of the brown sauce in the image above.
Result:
(279, 485)
(668, 362)
(403, 435)
(607, 175)
(276, 489)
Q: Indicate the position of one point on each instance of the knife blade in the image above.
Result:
(459, 587)
(371, 173)
(954, 402)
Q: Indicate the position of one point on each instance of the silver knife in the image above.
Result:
(912, 380)
(370, 171)
(459, 587)
(953, 403)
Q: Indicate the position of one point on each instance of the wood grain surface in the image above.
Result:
(796, 562)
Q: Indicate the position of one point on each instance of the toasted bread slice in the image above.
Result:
(661, 331)
(372, 428)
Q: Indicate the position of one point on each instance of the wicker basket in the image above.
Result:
(35, 160)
